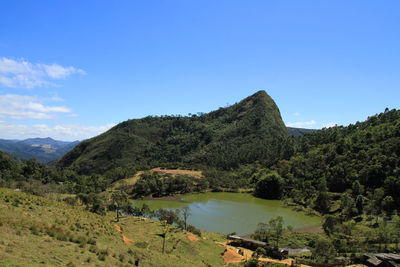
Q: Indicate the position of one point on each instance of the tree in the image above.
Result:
(375, 202)
(322, 202)
(98, 206)
(360, 204)
(347, 205)
(356, 188)
(396, 230)
(145, 210)
(276, 229)
(120, 201)
(272, 231)
(323, 250)
(169, 216)
(388, 204)
(330, 224)
(164, 234)
(269, 186)
(185, 214)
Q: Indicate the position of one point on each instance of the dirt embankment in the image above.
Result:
(236, 255)
(124, 238)
(192, 237)
(174, 172)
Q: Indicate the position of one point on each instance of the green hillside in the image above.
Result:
(36, 231)
(361, 160)
(251, 130)
(298, 132)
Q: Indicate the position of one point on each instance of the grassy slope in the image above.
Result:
(36, 231)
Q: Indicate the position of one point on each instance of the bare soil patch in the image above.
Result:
(231, 256)
(192, 237)
(124, 238)
(174, 172)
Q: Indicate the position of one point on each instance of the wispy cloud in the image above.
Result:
(67, 132)
(296, 114)
(303, 124)
(21, 107)
(21, 73)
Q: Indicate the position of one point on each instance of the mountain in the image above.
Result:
(363, 157)
(251, 130)
(297, 132)
(42, 149)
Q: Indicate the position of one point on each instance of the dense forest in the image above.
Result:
(363, 158)
(251, 130)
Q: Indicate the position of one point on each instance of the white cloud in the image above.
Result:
(21, 107)
(304, 124)
(329, 124)
(67, 132)
(21, 73)
(296, 114)
(58, 72)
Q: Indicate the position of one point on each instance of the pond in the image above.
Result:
(232, 212)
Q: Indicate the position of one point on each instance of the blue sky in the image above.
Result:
(72, 69)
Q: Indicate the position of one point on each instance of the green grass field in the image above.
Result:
(35, 231)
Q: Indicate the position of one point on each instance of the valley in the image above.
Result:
(197, 179)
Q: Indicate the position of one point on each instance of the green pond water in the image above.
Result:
(233, 212)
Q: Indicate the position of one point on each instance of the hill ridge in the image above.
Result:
(225, 138)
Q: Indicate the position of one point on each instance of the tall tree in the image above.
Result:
(120, 201)
(186, 214)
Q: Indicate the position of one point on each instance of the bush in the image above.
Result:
(141, 244)
(71, 200)
(251, 263)
(34, 230)
(101, 257)
(193, 230)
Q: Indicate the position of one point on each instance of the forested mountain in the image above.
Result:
(362, 159)
(42, 149)
(297, 132)
(251, 130)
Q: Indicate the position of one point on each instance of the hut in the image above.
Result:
(254, 244)
(381, 260)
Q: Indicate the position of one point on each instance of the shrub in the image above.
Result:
(193, 230)
(91, 241)
(34, 230)
(93, 249)
(251, 263)
(102, 257)
(141, 244)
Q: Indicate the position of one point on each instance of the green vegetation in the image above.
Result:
(249, 131)
(35, 231)
(350, 175)
(158, 185)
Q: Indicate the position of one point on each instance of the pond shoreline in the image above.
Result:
(177, 198)
(225, 212)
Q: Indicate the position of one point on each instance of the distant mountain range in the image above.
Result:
(42, 149)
